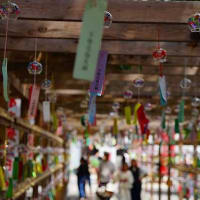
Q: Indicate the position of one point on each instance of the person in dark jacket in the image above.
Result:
(137, 184)
(83, 175)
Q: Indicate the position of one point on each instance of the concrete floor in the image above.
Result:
(73, 194)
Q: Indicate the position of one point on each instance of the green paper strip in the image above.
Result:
(90, 40)
(176, 128)
(16, 168)
(181, 111)
(5, 79)
(128, 114)
(9, 193)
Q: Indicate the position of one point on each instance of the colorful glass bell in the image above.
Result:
(107, 19)
(160, 55)
(138, 83)
(115, 106)
(34, 68)
(196, 102)
(194, 23)
(185, 83)
(46, 84)
(128, 94)
(148, 107)
(168, 110)
(9, 10)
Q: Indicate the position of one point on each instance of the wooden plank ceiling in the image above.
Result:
(130, 41)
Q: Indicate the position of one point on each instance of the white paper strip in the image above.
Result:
(46, 111)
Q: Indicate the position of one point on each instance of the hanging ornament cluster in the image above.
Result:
(46, 84)
(196, 102)
(160, 55)
(9, 10)
(34, 68)
(107, 19)
(194, 23)
(115, 106)
(148, 107)
(185, 83)
(138, 83)
(128, 94)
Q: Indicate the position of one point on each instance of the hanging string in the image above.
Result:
(46, 73)
(158, 37)
(185, 75)
(6, 38)
(139, 71)
(35, 59)
(161, 69)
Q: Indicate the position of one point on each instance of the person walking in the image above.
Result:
(83, 175)
(125, 179)
(137, 184)
(106, 170)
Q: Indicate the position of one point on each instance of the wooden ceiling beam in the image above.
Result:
(118, 31)
(141, 48)
(67, 59)
(122, 11)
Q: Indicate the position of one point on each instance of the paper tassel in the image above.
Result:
(21, 169)
(55, 121)
(137, 106)
(2, 180)
(181, 112)
(115, 126)
(9, 193)
(176, 128)
(163, 90)
(163, 121)
(128, 114)
(34, 98)
(97, 85)
(92, 108)
(143, 121)
(16, 168)
(5, 79)
(46, 111)
(90, 40)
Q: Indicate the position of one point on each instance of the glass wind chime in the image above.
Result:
(160, 57)
(8, 10)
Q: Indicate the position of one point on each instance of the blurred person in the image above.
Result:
(106, 170)
(125, 179)
(138, 174)
(83, 175)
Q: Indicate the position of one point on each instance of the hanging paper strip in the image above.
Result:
(143, 121)
(5, 79)
(16, 168)
(176, 128)
(163, 121)
(2, 180)
(46, 111)
(92, 108)
(115, 126)
(127, 110)
(97, 84)
(181, 112)
(32, 110)
(137, 106)
(9, 193)
(90, 40)
(163, 90)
